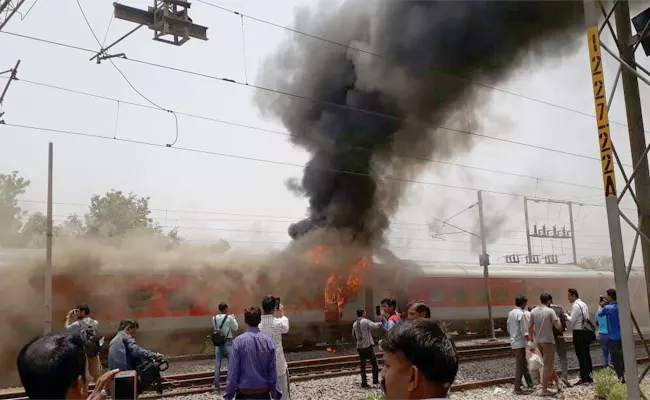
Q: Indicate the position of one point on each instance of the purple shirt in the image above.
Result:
(251, 364)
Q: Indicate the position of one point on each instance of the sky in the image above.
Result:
(233, 186)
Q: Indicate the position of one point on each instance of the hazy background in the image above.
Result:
(246, 202)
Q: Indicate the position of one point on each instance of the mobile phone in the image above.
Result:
(125, 385)
(377, 310)
(601, 299)
(277, 302)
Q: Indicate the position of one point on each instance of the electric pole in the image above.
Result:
(635, 130)
(484, 259)
(48, 248)
(614, 214)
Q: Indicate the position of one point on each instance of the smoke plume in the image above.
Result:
(410, 65)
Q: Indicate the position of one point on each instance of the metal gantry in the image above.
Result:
(627, 45)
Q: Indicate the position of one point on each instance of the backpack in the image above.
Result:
(218, 337)
(92, 342)
(559, 311)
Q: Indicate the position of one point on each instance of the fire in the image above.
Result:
(331, 349)
(315, 255)
(338, 289)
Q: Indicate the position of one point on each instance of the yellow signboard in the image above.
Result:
(602, 118)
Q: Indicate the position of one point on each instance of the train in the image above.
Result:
(174, 310)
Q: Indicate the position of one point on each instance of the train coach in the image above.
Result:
(174, 309)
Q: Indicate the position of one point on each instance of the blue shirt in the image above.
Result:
(613, 323)
(389, 323)
(601, 320)
(125, 354)
(251, 364)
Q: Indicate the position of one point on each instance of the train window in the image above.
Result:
(140, 300)
(179, 301)
(437, 296)
(460, 296)
(481, 295)
(501, 295)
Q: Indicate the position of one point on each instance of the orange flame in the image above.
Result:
(336, 292)
(331, 349)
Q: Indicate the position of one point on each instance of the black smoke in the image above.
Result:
(425, 57)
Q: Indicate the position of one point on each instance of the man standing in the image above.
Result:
(79, 322)
(578, 316)
(275, 328)
(601, 323)
(362, 334)
(390, 318)
(251, 367)
(518, 330)
(420, 361)
(560, 342)
(226, 324)
(610, 311)
(542, 321)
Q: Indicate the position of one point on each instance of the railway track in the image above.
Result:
(304, 370)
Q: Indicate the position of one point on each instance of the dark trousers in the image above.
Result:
(616, 353)
(521, 369)
(368, 354)
(581, 346)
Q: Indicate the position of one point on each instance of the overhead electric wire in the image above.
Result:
(101, 46)
(216, 120)
(284, 163)
(306, 98)
(357, 49)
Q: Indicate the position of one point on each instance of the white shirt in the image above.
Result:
(517, 328)
(229, 326)
(579, 312)
(275, 327)
(75, 327)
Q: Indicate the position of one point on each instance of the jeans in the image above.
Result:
(521, 369)
(581, 346)
(368, 354)
(616, 352)
(220, 352)
(604, 344)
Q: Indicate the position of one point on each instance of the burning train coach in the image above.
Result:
(174, 310)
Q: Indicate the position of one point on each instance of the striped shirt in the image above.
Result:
(362, 332)
(275, 328)
(251, 364)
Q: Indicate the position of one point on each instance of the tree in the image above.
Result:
(598, 263)
(114, 215)
(34, 231)
(73, 226)
(11, 186)
(174, 237)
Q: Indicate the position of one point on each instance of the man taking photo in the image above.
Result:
(79, 322)
(275, 327)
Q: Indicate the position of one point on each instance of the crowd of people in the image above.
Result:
(419, 358)
(537, 334)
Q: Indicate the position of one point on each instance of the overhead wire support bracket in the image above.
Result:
(102, 55)
(14, 72)
(14, 10)
(166, 18)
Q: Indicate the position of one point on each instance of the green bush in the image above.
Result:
(374, 395)
(604, 381)
(618, 392)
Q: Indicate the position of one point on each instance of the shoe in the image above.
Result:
(565, 380)
(365, 386)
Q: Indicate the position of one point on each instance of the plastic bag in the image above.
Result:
(535, 362)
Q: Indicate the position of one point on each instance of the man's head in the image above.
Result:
(253, 316)
(84, 310)
(389, 306)
(361, 312)
(573, 295)
(418, 309)
(269, 304)
(611, 295)
(223, 308)
(546, 299)
(419, 361)
(129, 326)
(521, 301)
(54, 366)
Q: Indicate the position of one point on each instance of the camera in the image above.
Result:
(125, 385)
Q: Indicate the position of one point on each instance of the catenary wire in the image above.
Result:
(287, 134)
(247, 158)
(306, 98)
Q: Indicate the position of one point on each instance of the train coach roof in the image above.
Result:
(505, 270)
